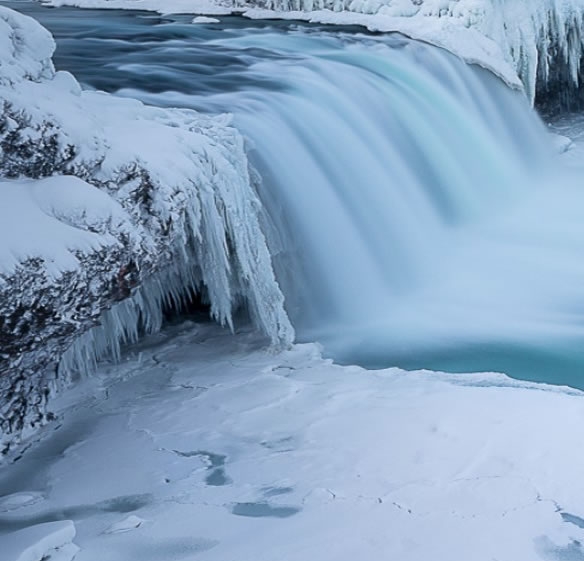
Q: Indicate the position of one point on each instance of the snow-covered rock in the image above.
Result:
(25, 49)
(205, 19)
(163, 206)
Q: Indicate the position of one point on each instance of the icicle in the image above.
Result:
(223, 252)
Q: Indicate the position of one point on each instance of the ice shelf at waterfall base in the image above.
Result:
(222, 451)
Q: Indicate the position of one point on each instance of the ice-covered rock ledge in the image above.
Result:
(538, 41)
(163, 205)
(530, 43)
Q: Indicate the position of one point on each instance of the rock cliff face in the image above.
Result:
(110, 209)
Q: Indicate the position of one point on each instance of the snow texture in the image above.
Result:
(52, 540)
(531, 42)
(163, 207)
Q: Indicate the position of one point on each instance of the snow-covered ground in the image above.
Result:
(202, 445)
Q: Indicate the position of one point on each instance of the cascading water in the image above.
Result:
(416, 215)
(418, 218)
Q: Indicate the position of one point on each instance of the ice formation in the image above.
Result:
(289, 457)
(179, 214)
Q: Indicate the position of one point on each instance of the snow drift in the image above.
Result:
(163, 206)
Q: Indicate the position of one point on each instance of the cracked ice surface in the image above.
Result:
(260, 456)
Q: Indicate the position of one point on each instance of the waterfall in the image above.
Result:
(415, 211)
(418, 216)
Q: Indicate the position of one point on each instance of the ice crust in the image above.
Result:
(224, 452)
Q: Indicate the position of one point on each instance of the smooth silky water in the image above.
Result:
(416, 214)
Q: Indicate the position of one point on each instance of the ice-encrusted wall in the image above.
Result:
(190, 219)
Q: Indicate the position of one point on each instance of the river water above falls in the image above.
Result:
(414, 210)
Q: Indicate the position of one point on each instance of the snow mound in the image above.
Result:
(163, 207)
(25, 49)
(16, 501)
(54, 219)
(53, 540)
(128, 524)
(205, 19)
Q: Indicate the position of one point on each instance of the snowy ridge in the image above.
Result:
(179, 215)
(25, 49)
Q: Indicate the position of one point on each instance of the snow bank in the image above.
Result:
(53, 540)
(528, 40)
(165, 7)
(25, 49)
(171, 211)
